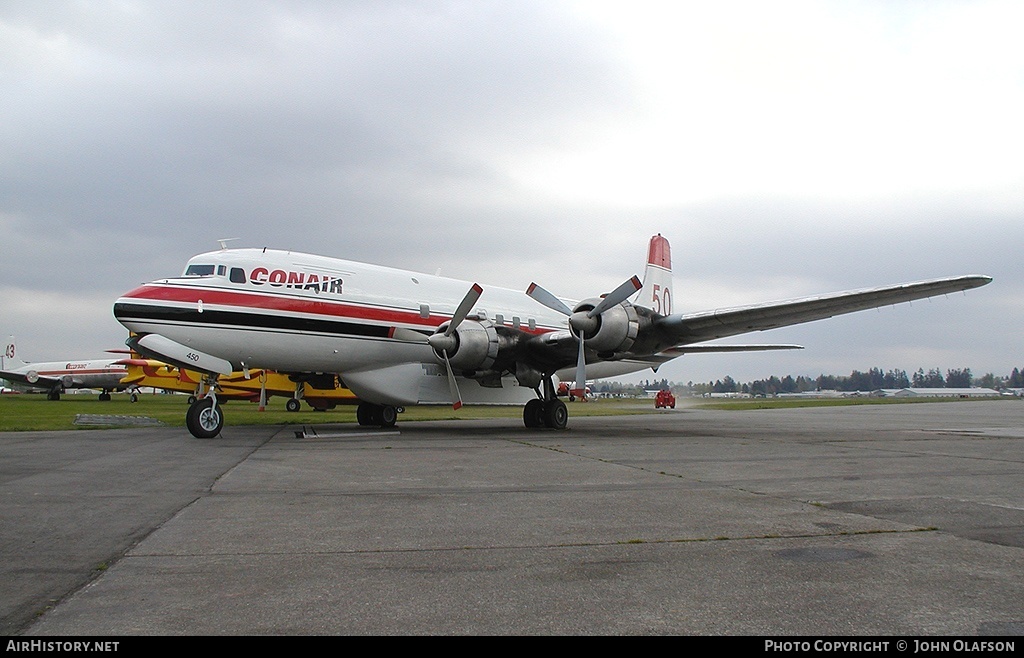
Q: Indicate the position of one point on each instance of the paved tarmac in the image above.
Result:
(902, 520)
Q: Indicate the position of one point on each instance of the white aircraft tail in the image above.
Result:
(657, 290)
(10, 359)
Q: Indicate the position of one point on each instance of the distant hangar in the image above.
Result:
(937, 393)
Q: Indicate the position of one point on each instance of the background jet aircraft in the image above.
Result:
(399, 338)
(55, 377)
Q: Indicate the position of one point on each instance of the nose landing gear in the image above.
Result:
(204, 418)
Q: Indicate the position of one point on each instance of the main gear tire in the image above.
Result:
(556, 415)
(533, 414)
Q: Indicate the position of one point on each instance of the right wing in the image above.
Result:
(684, 329)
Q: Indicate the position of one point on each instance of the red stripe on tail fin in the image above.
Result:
(659, 252)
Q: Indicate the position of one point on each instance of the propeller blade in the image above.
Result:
(547, 299)
(581, 371)
(616, 296)
(452, 384)
(465, 306)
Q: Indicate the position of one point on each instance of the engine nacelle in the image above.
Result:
(472, 347)
(612, 331)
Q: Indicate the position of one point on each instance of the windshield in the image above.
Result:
(199, 270)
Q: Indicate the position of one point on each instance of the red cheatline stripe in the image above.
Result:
(254, 300)
(283, 304)
(49, 373)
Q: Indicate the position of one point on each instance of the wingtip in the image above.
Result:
(978, 280)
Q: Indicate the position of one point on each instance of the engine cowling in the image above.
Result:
(472, 347)
(613, 330)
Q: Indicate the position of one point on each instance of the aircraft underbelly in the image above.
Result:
(434, 389)
(289, 352)
(426, 383)
(604, 369)
(107, 382)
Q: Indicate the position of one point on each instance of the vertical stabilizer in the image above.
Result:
(9, 355)
(656, 293)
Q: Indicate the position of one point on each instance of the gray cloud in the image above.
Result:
(134, 135)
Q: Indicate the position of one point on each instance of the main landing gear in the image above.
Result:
(546, 411)
(376, 415)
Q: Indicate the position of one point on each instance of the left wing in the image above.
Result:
(684, 329)
(33, 378)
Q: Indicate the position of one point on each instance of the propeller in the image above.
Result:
(446, 341)
(583, 322)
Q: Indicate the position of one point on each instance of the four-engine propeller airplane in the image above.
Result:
(400, 338)
(55, 377)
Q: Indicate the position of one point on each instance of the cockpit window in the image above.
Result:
(199, 270)
(237, 275)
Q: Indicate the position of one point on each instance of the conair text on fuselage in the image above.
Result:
(301, 280)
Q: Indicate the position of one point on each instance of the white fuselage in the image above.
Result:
(102, 374)
(295, 312)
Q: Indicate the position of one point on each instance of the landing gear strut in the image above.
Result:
(546, 411)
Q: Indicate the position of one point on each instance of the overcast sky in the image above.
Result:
(784, 148)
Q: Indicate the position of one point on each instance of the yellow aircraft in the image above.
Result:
(321, 391)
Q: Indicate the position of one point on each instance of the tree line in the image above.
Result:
(871, 380)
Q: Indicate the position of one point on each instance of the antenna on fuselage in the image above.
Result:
(224, 242)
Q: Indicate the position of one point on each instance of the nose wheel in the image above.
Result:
(204, 419)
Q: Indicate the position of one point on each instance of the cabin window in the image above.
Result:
(199, 270)
(424, 311)
(237, 275)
